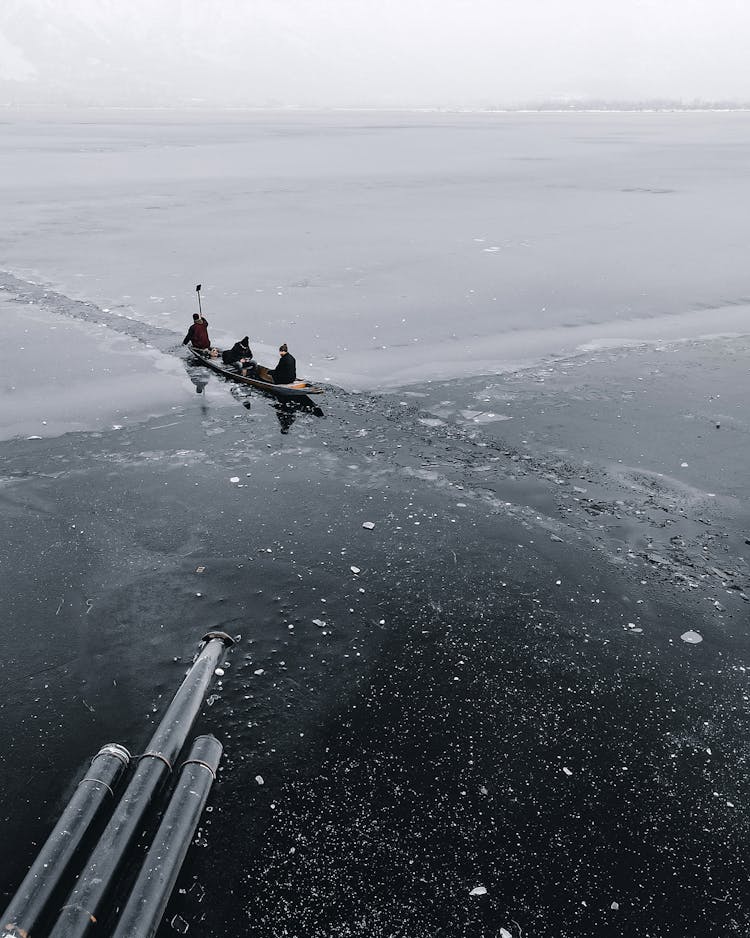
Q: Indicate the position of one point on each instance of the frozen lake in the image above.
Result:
(462, 672)
(386, 247)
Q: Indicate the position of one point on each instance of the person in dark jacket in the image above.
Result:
(239, 351)
(197, 334)
(286, 370)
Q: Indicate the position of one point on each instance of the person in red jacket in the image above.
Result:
(197, 334)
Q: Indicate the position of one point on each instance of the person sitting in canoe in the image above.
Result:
(240, 355)
(286, 370)
(197, 334)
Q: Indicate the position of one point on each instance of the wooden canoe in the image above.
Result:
(286, 391)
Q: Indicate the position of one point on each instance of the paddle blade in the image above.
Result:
(198, 289)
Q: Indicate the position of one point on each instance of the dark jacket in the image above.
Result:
(197, 334)
(235, 353)
(286, 370)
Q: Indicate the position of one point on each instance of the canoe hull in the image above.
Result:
(297, 389)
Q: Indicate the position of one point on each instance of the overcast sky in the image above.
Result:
(402, 53)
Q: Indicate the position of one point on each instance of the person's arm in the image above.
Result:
(188, 337)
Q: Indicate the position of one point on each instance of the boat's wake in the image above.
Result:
(121, 319)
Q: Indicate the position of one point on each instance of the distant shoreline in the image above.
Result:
(204, 107)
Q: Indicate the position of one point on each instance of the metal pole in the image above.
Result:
(47, 871)
(153, 887)
(84, 902)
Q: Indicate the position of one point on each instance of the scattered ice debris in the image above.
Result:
(219, 672)
(355, 569)
(504, 933)
(200, 569)
(33, 438)
(235, 479)
(259, 671)
(478, 891)
(484, 790)
(567, 770)
(615, 906)
(368, 524)
(259, 779)
(199, 595)
(179, 924)
(683, 465)
(320, 623)
(691, 637)
(554, 537)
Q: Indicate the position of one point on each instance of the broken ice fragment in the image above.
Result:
(615, 906)
(504, 933)
(691, 637)
(478, 891)
(259, 779)
(179, 924)
(219, 672)
(355, 569)
(235, 479)
(368, 524)
(320, 623)
(567, 770)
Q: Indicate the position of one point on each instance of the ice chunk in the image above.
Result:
(235, 479)
(567, 770)
(259, 779)
(355, 569)
(368, 524)
(691, 637)
(219, 672)
(478, 891)
(320, 623)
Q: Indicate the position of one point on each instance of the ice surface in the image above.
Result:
(367, 242)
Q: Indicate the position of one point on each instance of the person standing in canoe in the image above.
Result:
(286, 370)
(197, 334)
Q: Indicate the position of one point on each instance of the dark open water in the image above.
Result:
(479, 708)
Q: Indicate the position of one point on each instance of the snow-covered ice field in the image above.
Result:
(388, 247)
